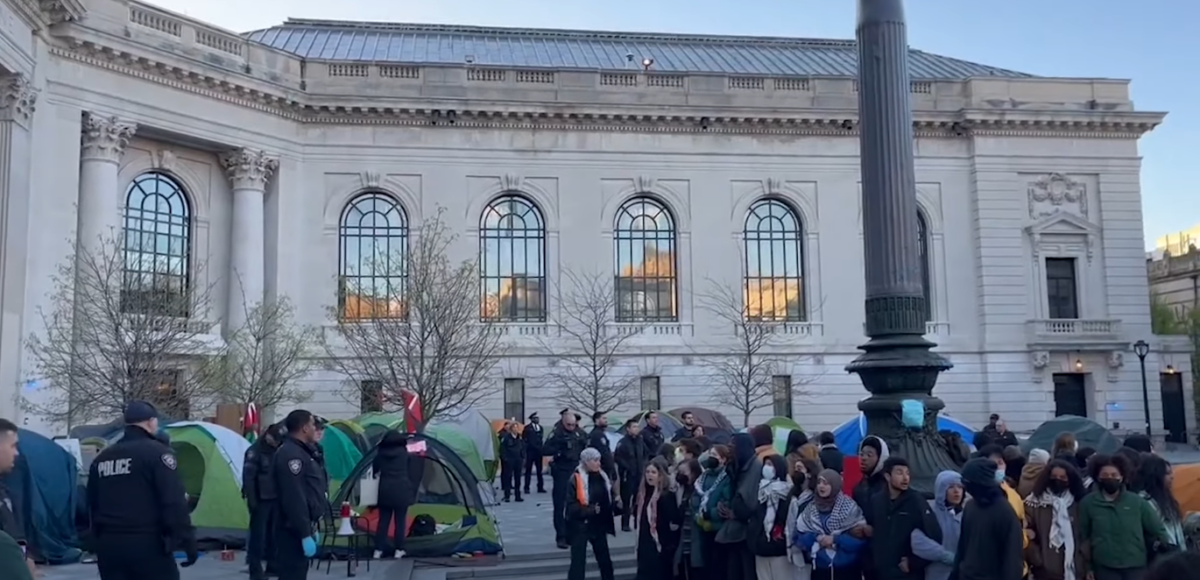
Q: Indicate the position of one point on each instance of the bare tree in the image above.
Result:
(417, 328)
(122, 326)
(265, 358)
(744, 379)
(587, 379)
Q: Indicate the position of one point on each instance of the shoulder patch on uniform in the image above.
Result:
(294, 466)
(250, 453)
(169, 460)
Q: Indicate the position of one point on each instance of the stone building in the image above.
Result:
(667, 160)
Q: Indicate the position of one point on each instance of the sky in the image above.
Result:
(1153, 42)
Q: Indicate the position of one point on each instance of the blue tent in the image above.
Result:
(849, 434)
(43, 489)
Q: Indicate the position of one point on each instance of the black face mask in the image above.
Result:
(799, 478)
(1058, 486)
(711, 463)
(1110, 485)
(682, 478)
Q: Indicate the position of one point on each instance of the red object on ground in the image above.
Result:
(346, 512)
(369, 522)
(413, 415)
(851, 474)
(228, 556)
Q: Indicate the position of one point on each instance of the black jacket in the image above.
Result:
(133, 488)
(534, 436)
(564, 447)
(512, 448)
(831, 457)
(989, 544)
(866, 489)
(893, 522)
(653, 438)
(1004, 439)
(258, 481)
(301, 485)
(630, 458)
(598, 439)
(774, 543)
(391, 465)
(682, 433)
(584, 518)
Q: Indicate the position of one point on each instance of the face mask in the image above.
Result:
(799, 478)
(1058, 486)
(682, 478)
(768, 472)
(1110, 485)
(711, 463)
(999, 476)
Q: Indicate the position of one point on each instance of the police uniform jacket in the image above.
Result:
(258, 477)
(564, 447)
(300, 482)
(133, 488)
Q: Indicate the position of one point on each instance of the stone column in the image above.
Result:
(897, 366)
(17, 100)
(100, 196)
(248, 170)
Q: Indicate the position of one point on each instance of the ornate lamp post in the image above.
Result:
(897, 366)
(1141, 349)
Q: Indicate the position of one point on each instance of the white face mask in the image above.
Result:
(999, 476)
(768, 472)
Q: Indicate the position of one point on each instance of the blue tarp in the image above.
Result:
(43, 489)
(849, 434)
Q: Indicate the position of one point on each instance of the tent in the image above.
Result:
(1087, 432)
(717, 427)
(476, 426)
(464, 447)
(848, 435)
(210, 463)
(784, 423)
(669, 423)
(374, 425)
(341, 455)
(354, 432)
(43, 488)
(449, 492)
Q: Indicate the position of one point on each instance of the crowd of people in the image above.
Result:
(744, 511)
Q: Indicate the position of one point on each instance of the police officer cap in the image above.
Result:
(139, 412)
(533, 416)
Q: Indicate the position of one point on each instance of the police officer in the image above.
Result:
(258, 489)
(566, 443)
(138, 505)
(302, 502)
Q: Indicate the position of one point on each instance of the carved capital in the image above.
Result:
(248, 168)
(18, 99)
(105, 137)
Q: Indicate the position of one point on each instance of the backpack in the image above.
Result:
(423, 525)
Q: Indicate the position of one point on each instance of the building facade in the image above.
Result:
(672, 163)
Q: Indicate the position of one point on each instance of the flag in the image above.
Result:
(412, 410)
(250, 423)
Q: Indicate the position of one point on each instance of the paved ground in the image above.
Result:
(527, 527)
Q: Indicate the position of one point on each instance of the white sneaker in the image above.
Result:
(378, 554)
(400, 554)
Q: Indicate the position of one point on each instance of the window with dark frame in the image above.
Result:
(926, 278)
(651, 393)
(514, 399)
(774, 284)
(1062, 291)
(370, 397)
(781, 390)
(512, 261)
(644, 248)
(372, 258)
(157, 237)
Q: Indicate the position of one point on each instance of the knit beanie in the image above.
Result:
(979, 480)
(1039, 457)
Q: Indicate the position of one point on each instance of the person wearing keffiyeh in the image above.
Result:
(1052, 515)
(766, 533)
(658, 523)
(823, 530)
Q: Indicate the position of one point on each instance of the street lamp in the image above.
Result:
(1141, 349)
(897, 366)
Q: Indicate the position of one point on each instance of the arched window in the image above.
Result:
(774, 264)
(157, 247)
(372, 258)
(644, 240)
(512, 261)
(923, 247)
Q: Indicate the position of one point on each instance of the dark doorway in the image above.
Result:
(1174, 415)
(1070, 395)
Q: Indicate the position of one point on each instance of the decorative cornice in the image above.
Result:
(248, 168)
(1063, 124)
(42, 14)
(105, 137)
(18, 99)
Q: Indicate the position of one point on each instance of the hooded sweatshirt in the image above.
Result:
(744, 475)
(874, 482)
(1038, 458)
(989, 542)
(949, 519)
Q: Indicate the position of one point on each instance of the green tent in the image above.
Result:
(784, 423)
(462, 446)
(354, 431)
(209, 460)
(376, 424)
(476, 427)
(341, 455)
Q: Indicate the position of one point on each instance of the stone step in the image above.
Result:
(564, 555)
(621, 572)
(533, 568)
